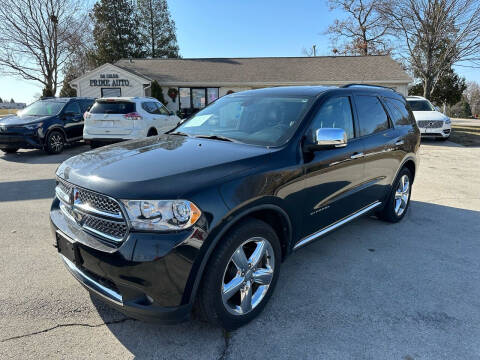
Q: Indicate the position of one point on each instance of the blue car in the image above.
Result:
(46, 124)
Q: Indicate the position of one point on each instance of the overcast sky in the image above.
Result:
(218, 28)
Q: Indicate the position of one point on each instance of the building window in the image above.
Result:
(111, 92)
(197, 98)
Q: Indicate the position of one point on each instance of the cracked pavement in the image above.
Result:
(370, 290)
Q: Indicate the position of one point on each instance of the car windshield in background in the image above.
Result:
(420, 105)
(43, 108)
(112, 107)
(265, 120)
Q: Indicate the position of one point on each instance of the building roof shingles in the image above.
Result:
(273, 70)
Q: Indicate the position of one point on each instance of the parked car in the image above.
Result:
(124, 118)
(207, 213)
(46, 124)
(430, 120)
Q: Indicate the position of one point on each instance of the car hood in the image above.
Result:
(165, 166)
(21, 120)
(429, 115)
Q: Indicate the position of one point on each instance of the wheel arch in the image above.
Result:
(152, 131)
(268, 213)
(54, 128)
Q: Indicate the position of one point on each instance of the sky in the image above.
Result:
(241, 28)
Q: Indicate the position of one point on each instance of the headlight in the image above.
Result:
(158, 215)
(33, 126)
(447, 121)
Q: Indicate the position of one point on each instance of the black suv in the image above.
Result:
(206, 214)
(46, 124)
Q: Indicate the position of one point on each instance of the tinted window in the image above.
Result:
(85, 105)
(150, 107)
(112, 107)
(250, 119)
(73, 107)
(335, 113)
(371, 115)
(399, 114)
(421, 105)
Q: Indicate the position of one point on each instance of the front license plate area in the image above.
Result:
(68, 249)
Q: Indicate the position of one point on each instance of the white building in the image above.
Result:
(197, 82)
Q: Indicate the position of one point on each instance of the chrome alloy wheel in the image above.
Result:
(401, 195)
(248, 276)
(56, 142)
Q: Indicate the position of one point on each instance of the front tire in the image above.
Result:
(399, 198)
(241, 275)
(55, 142)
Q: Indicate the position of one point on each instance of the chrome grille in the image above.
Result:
(430, 124)
(97, 214)
(99, 202)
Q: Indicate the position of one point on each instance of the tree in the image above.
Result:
(115, 32)
(157, 92)
(472, 94)
(460, 109)
(448, 91)
(37, 37)
(364, 31)
(12, 101)
(157, 29)
(1, 101)
(434, 35)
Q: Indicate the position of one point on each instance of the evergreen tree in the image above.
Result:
(157, 29)
(115, 31)
(12, 101)
(157, 92)
(1, 101)
(67, 90)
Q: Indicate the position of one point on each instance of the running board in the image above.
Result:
(336, 225)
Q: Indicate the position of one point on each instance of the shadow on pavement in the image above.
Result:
(40, 157)
(410, 282)
(27, 190)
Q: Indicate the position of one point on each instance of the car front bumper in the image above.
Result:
(25, 140)
(145, 277)
(439, 132)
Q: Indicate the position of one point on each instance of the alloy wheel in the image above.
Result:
(56, 142)
(248, 276)
(402, 195)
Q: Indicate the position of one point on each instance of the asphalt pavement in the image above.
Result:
(370, 290)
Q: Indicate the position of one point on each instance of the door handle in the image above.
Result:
(400, 142)
(357, 155)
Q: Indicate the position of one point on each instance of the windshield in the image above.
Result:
(250, 119)
(43, 108)
(421, 105)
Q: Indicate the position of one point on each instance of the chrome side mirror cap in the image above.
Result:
(325, 138)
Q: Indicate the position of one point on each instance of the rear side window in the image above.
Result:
(85, 105)
(150, 107)
(113, 107)
(371, 115)
(399, 114)
(72, 107)
(335, 113)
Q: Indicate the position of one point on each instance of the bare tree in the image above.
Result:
(472, 93)
(364, 31)
(435, 34)
(38, 37)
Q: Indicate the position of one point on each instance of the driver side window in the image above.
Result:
(335, 113)
(73, 107)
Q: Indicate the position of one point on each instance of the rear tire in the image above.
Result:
(399, 198)
(10, 151)
(55, 142)
(240, 276)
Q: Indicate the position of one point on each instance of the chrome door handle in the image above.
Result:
(400, 142)
(357, 155)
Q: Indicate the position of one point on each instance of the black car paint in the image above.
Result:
(15, 134)
(298, 192)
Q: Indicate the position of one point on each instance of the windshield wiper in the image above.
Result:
(178, 133)
(216, 137)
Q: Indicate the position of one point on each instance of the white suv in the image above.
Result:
(123, 118)
(430, 120)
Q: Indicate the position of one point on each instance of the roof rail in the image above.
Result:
(369, 85)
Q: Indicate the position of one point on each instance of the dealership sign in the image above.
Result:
(109, 80)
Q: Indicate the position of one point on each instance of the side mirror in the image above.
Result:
(326, 138)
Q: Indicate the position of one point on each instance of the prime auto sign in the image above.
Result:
(109, 80)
